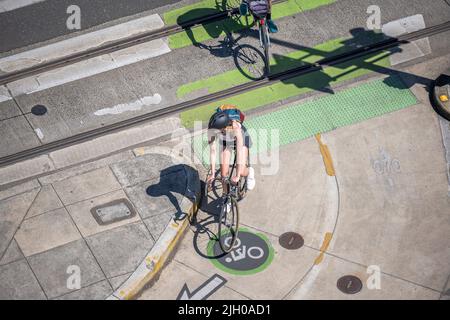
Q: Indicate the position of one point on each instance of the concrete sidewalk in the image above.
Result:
(98, 220)
(369, 200)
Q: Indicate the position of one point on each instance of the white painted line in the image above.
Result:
(307, 283)
(404, 26)
(331, 205)
(205, 290)
(331, 209)
(4, 94)
(10, 5)
(409, 51)
(80, 43)
(132, 106)
(88, 68)
(39, 133)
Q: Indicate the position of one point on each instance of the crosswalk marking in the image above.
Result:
(10, 5)
(4, 94)
(87, 68)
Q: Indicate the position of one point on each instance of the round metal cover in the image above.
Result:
(349, 284)
(39, 110)
(291, 241)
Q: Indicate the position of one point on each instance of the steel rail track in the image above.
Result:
(116, 46)
(282, 76)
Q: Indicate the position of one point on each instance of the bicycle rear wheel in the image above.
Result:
(228, 224)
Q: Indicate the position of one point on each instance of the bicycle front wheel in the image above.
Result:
(228, 224)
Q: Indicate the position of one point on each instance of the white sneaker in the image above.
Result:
(251, 179)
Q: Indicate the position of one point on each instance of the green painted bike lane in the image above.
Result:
(233, 24)
(327, 113)
(305, 120)
(321, 80)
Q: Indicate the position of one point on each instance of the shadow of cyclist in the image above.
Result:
(214, 30)
(175, 183)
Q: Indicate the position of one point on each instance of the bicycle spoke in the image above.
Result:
(252, 61)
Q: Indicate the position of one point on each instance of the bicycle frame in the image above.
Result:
(233, 189)
(264, 37)
(262, 24)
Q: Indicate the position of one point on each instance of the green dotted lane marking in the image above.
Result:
(217, 29)
(316, 81)
(344, 108)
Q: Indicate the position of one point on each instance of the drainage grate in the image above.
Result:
(350, 284)
(114, 211)
(291, 241)
(39, 110)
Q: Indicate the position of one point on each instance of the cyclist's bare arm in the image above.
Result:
(212, 157)
(239, 149)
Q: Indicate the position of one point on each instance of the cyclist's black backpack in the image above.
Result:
(259, 8)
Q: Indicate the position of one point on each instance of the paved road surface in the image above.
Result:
(47, 20)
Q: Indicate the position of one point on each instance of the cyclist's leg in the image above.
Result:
(243, 8)
(225, 156)
(250, 172)
(272, 26)
(244, 170)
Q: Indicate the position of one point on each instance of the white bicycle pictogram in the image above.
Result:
(240, 253)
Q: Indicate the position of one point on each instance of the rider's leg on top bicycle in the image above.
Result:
(272, 26)
(225, 158)
(244, 8)
(243, 169)
(248, 171)
(239, 140)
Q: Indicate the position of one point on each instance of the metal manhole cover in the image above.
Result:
(114, 211)
(39, 110)
(291, 241)
(350, 284)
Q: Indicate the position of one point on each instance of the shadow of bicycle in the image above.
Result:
(248, 59)
(205, 222)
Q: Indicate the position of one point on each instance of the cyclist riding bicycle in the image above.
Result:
(228, 122)
(260, 8)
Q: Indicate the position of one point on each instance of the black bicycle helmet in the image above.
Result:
(219, 120)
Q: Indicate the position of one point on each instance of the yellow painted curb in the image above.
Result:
(326, 156)
(156, 263)
(324, 247)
